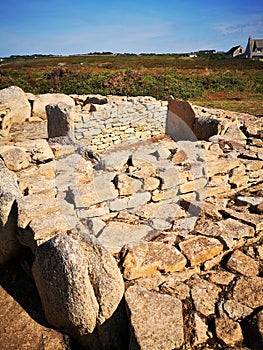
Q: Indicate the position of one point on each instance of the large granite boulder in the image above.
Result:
(43, 100)
(79, 282)
(20, 108)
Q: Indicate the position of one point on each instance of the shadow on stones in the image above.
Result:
(113, 334)
(17, 282)
(252, 336)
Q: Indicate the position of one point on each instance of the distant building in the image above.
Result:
(254, 49)
(235, 51)
(207, 52)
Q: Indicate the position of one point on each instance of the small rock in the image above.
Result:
(240, 262)
(228, 331)
(145, 259)
(199, 249)
(201, 330)
(116, 234)
(156, 319)
(249, 291)
(127, 185)
(236, 311)
(15, 158)
(221, 277)
(205, 295)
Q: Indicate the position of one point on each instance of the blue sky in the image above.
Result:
(77, 26)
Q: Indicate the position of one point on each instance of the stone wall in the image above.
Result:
(101, 126)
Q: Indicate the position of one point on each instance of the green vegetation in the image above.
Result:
(211, 80)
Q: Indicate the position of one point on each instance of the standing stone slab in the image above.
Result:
(60, 120)
(156, 320)
(79, 283)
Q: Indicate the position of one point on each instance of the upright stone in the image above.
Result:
(60, 120)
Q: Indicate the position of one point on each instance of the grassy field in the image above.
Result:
(212, 81)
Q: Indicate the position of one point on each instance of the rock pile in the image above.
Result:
(154, 244)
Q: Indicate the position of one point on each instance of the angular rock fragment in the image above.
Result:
(199, 249)
(14, 157)
(145, 259)
(249, 291)
(236, 311)
(234, 233)
(228, 331)
(39, 150)
(128, 185)
(20, 109)
(240, 262)
(205, 295)
(156, 319)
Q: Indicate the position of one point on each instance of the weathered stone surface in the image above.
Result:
(142, 168)
(199, 249)
(201, 331)
(79, 283)
(145, 259)
(116, 234)
(60, 120)
(249, 291)
(156, 320)
(180, 290)
(180, 120)
(236, 311)
(15, 158)
(40, 230)
(221, 277)
(20, 109)
(127, 185)
(9, 197)
(41, 101)
(35, 206)
(20, 331)
(150, 282)
(240, 262)
(39, 150)
(234, 233)
(205, 295)
(228, 331)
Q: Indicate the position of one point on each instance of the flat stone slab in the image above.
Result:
(146, 259)
(200, 249)
(116, 234)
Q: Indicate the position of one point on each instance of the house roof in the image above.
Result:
(258, 43)
(233, 49)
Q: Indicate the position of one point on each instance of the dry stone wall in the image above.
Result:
(103, 126)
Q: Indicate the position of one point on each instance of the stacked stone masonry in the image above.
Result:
(121, 120)
(152, 244)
